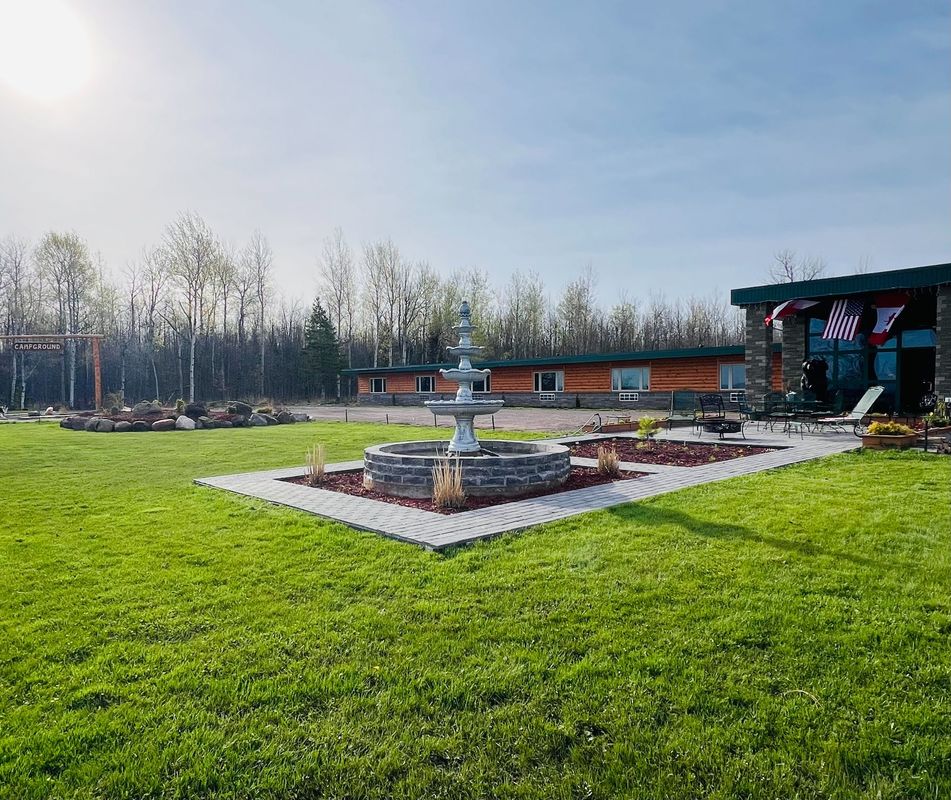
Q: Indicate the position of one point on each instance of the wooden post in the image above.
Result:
(97, 368)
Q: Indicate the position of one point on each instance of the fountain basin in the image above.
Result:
(443, 408)
(503, 468)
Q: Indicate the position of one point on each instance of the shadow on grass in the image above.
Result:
(647, 515)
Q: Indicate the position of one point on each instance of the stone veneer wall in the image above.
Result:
(647, 401)
(759, 351)
(794, 351)
(942, 361)
(405, 469)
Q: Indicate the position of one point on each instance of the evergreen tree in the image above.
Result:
(322, 354)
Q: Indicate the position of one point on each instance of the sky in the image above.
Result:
(671, 146)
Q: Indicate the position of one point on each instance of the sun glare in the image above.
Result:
(45, 52)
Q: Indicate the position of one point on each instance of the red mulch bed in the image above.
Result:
(351, 482)
(674, 454)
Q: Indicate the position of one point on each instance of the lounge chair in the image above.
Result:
(856, 416)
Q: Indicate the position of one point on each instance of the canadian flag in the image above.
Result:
(888, 306)
(789, 308)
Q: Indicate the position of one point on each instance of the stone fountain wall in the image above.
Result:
(406, 468)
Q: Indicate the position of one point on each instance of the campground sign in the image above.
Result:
(48, 347)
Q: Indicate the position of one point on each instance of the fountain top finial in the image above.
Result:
(464, 312)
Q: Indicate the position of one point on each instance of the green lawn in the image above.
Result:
(779, 636)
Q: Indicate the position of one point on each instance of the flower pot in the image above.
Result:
(879, 441)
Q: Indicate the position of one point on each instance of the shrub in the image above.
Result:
(939, 417)
(179, 406)
(648, 428)
(447, 483)
(889, 429)
(114, 400)
(265, 410)
(316, 464)
(609, 462)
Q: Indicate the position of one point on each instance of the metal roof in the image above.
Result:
(588, 358)
(912, 278)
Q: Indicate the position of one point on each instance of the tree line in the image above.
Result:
(198, 318)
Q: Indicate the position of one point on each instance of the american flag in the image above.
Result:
(844, 319)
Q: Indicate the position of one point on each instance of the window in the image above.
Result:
(919, 338)
(553, 381)
(483, 386)
(630, 379)
(425, 384)
(732, 376)
(377, 385)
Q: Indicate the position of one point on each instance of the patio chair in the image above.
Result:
(711, 410)
(682, 407)
(856, 416)
(749, 414)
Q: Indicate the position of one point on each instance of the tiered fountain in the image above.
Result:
(464, 408)
(508, 469)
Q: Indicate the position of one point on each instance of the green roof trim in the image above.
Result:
(912, 278)
(555, 361)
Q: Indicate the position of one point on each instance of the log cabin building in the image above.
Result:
(912, 359)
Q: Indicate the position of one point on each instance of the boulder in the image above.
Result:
(301, 418)
(123, 427)
(286, 418)
(140, 426)
(184, 423)
(146, 409)
(207, 422)
(223, 423)
(105, 426)
(77, 423)
(49, 411)
(270, 420)
(195, 410)
(238, 421)
(163, 425)
(240, 408)
(257, 419)
(92, 423)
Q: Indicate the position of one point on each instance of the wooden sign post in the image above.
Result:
(53, 343)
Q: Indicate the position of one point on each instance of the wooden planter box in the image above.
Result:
(878, 441)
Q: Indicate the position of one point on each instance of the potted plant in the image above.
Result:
(938, 421)
(885, 435)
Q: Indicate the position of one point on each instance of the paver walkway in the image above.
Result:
(438, 531)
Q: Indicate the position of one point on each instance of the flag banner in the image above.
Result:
(844, 319)
(789, 308)
(888, 306)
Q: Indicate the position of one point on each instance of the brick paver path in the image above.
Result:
(438, 531)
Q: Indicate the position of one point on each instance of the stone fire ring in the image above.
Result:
(406, 468)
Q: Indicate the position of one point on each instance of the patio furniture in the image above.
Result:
(682, 407)
(724, 426)
(711, 410)
(750, 414)
(776, 409)
(856, 417)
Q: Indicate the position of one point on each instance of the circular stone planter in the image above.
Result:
(405, 469)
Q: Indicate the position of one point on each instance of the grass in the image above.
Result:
(781, 635)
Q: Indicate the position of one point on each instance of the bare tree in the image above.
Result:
(64, 259)
(193, 252)
(337, 286)
(256, 259)
(787, 267)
